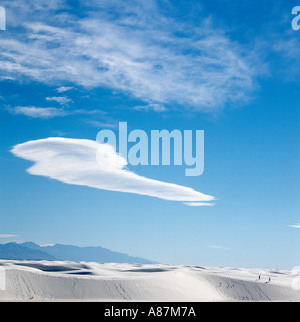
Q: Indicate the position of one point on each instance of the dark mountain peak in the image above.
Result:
(31, 245)
(86, 254)
(21, 252)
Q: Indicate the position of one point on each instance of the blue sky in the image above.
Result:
(230, 68)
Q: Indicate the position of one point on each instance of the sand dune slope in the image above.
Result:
(48, 280)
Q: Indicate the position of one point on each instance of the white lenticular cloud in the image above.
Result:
(89, 163)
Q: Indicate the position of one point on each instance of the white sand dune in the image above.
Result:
(61, 280)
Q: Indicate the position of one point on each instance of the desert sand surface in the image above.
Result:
(62, 280)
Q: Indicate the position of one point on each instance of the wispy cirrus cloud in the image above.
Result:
(89, 163)
(134, 49)
(151, 107)
(51, 112)
(64, 89)
(38, 112)
(59, 99)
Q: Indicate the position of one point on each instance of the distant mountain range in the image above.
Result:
(32, 251)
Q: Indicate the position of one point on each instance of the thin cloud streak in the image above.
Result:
(198, 204)
(50, 112)
(38, 112)
(59, 99)
(4, 236)
(295, 226)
